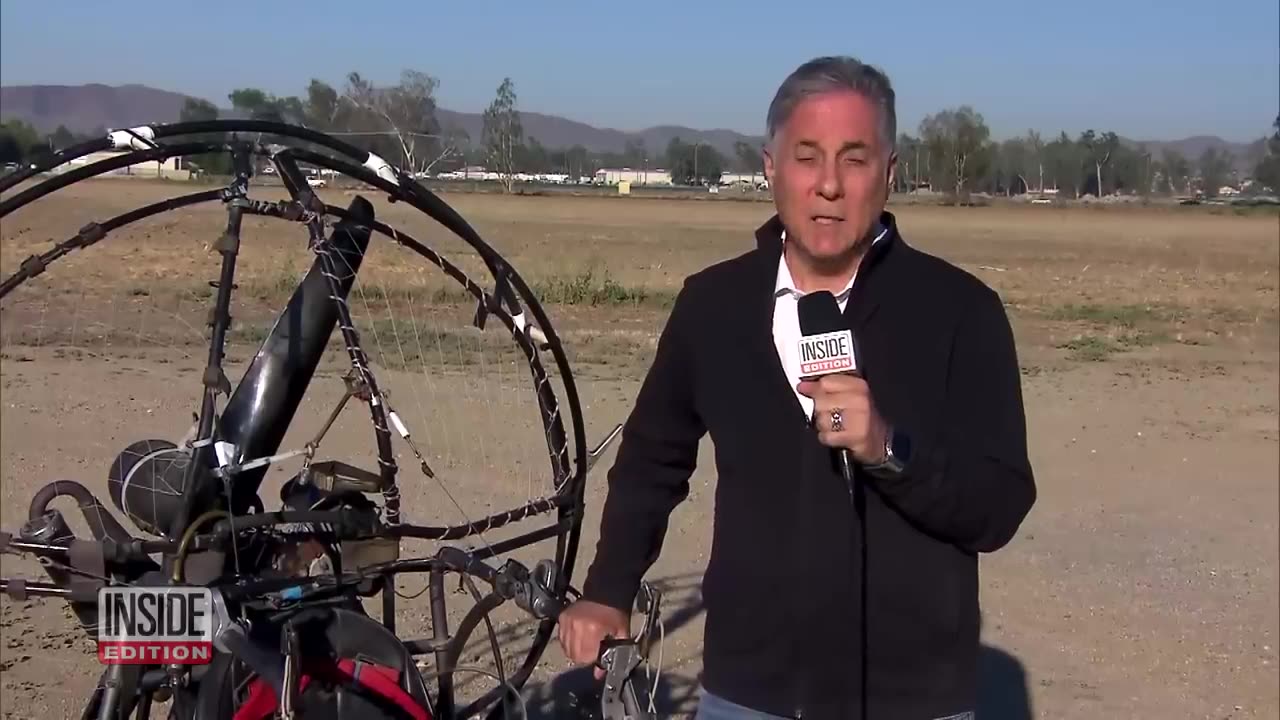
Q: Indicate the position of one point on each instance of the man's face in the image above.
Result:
(830, 172)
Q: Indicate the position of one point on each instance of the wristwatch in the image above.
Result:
(897, 453)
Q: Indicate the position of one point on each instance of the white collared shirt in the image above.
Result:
(786, 320)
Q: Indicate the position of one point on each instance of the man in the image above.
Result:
(819, 604)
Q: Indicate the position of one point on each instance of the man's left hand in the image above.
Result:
(863, 432)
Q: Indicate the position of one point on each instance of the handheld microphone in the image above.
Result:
(826, 347)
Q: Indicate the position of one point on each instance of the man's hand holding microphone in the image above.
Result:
(845, 416)
(844, 412)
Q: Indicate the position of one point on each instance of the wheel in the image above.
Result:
(273, 336)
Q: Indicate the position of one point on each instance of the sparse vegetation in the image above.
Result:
(1126, 316)
(608, 279)
(1089, 348)
(588, 288)
(1109, 329)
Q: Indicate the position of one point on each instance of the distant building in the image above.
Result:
(756, 180)
(613, 176)
(173, 168)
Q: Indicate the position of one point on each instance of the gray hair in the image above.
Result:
(835, 74)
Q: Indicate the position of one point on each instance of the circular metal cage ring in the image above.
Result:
(510, 301)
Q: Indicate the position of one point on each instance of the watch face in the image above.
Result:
(901, 446)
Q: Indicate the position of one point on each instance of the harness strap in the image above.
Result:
(377, 679)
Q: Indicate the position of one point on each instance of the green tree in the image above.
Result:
(534, 158)
(578, 163)
(749, 157)
(677, 162)
(637, 156)
(198, 110)
(451, 149)
(291, 110)
(17, 141)
(907, 178)
(10, 151)
(257, 104)
(1064, 164)
(708, 164)
(354, 113)
(1014, 158)
(1035, 158)
(404, 113)
(503, 134)
(986, 171)
(1128, 165)
(1098, 152)
(1144, 167)
(260, 105)
(1267, 171)
(1215, 165)
(1177, 172)
(323, 106)
(694, 163)
(61, 138)
(954, 137)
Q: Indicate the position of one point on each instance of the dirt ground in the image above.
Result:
(1143, 584)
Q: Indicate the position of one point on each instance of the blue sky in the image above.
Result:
(1161, 69)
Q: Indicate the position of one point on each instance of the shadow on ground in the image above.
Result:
(1003, 689)
(575, 695)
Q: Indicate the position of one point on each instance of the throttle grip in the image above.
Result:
(51, 528)
(102, 524)
(80, 568)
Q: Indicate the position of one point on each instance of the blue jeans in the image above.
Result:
(714, 707)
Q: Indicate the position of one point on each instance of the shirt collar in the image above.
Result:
(785, 284)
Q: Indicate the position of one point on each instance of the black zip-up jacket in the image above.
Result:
(785, 579)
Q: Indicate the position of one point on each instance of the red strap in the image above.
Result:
(384, 681)
(261, 703)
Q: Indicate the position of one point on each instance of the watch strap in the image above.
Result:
(892, 466)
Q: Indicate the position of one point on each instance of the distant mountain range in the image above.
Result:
(553, 131)
(86, 108)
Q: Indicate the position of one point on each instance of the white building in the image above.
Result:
(173, 168)
(613, 176)
(755, 180)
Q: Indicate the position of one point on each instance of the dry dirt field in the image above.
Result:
(1143, 584)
